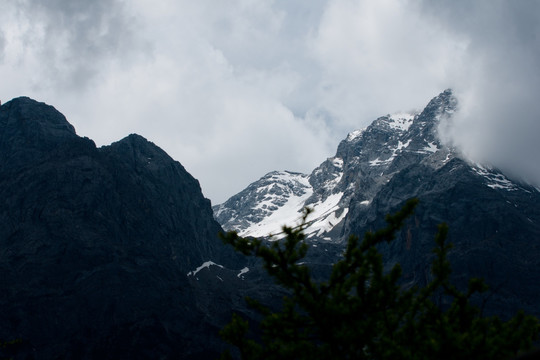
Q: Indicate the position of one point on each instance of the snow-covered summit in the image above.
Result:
(365, 162)
(401, 121)
(355, 134)
(246, 211)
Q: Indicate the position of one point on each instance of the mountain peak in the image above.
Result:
(364, 162)
(443, 104)
(400, 122)
(34, 120)
(102, 239)
(32, 132)
(136, 141)
(139, 150)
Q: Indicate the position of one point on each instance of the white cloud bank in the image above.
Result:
(236, 89)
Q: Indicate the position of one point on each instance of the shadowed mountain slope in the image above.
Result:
(96, 244)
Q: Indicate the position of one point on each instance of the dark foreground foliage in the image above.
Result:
(364, 312)
(9, 348)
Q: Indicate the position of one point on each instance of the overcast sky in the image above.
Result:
(234, 89)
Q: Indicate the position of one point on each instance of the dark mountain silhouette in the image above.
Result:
(96, 245)
(113, 252)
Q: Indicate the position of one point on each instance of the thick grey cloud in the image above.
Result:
(235, 89)
(74, 39)
(498, 83)
(378, 57)
(2, 45)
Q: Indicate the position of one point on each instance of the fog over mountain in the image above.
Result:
(218, 85)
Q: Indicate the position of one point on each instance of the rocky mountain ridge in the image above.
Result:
(112, 252)
(96, 245)
(364, 162)
(494, 220)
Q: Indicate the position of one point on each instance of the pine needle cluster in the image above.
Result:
(364, 312)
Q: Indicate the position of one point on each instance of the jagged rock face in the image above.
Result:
(256, 204)
(494, 220)
(96, 244)
(364, 162)
(494, 229)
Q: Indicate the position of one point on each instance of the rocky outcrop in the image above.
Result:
(252, 208)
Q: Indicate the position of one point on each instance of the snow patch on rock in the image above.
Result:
(495, 180)
(401, 121)
(206, 265)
